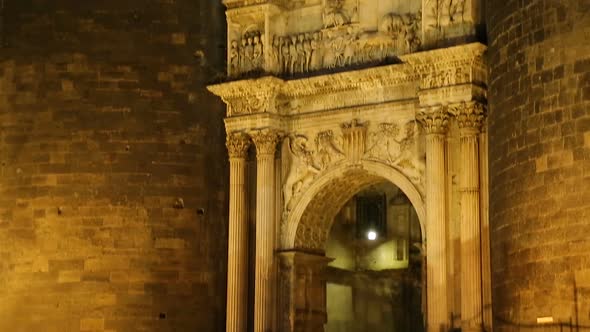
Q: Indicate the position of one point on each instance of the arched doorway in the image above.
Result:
(305, 266)
(375, 279)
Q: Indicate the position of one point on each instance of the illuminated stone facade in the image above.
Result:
(352, 93)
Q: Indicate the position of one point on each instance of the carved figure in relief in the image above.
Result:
(257, 52)
(392, 24)
(410, 159)
(276, 55)
(403, 28)
(329, 57)
(327, 152)
(383, 144)
(285, 56)
(293, 55)
(249, 53)
(307, 50)
(243, 60)
(303, 168)
(316, 56)
(300, 54)
(333, 15)
(411, 28)
(234, 58)
(349, 48)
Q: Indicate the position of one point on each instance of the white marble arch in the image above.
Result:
(374, 170)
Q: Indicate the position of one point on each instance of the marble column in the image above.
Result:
(434, 121)
(469, 117)
(265, 142)
(237, 258)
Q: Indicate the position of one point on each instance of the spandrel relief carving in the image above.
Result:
(398, 146)
(307, 159)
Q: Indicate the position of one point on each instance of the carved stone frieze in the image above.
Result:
(237, 145)
(435, 120)
(450, 66)
(393, 144)
(247, 54)
(470, 115)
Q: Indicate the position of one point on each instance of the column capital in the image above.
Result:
(470, 115)
(237, 145)
(435, 119)
(266, 141)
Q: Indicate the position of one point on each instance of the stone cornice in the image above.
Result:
(389, 75)
(249, 96)
(425, 61)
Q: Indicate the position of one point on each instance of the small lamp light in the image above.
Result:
(372, 235)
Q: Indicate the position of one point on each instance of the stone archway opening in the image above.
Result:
(375, 279)
(306, 271)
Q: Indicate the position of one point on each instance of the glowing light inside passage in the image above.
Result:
(372, 235)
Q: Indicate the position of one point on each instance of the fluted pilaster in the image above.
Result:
(237, 258)
(435, 120)
(265, 142)
(470, 116)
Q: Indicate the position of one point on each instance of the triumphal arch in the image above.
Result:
(332, 96)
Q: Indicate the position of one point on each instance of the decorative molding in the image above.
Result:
(249, 96)
(354, 140)
(237, 145)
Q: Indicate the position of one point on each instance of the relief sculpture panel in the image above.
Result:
(308, 155)
(302, 38)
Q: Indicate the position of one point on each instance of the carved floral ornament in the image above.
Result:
(470, 115)
(266, 141)
(237, 145)
(435, 120)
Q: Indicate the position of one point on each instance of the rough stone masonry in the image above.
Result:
(113, 166)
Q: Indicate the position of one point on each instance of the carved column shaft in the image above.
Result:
(435, 123)
(265, 142)
(237, 265)
(469, 117)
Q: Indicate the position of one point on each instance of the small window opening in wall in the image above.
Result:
(162, 315)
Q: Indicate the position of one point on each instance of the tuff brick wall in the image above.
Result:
(113, 174)
(539, 126)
